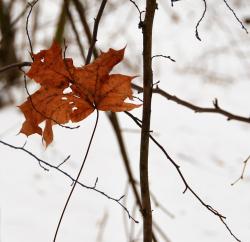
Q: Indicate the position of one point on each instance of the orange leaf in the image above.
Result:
(88, 88)
(49, 68)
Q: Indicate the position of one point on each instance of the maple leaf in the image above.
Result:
(70, 93)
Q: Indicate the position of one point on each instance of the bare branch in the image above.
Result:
(203, 15)
(140, 25)
(187, 186)
(94, 35)
(136, 6)
(164, 56)
(197, 109)
(61, 171)
(71, 20)
(236, 17)
(21, 14)
(81, 12)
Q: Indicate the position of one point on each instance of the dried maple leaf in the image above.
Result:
(88, 88)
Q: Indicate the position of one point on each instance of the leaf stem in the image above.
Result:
(78, 175)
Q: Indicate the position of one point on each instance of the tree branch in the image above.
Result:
(15, 65)
(32, 4)
(95, 29)
(236, 17)
(197, 109)
(81, 12)
(187, 186)
(72, 23)
(61, 171)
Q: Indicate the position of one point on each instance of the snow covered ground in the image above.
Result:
(209, 149)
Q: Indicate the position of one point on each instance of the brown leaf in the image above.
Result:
(89, 87)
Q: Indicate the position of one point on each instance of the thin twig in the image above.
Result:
(140, 25)
(164, 56)
(15, 65)
(187, 186)
(198, 23)
(137, 7)
(236, 17)
(197, 109)
(21, 14)
(32, 4)
(95, 30)
(81, 11)
(58, 169)
(243, 171)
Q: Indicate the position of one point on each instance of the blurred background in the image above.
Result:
(209, 149)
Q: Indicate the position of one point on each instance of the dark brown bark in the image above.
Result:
(145, 129)
(7, 55)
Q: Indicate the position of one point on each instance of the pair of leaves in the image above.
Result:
(70, 93)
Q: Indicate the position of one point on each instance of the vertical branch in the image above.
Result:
(95, 29)
(81, 11)
(112, 116)
(72, 23)
(7, 53)
(61, 24)
(147, 27)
